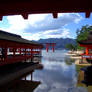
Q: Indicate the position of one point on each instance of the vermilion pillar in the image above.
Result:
(14, 50)
(50, 44)
(5, 53)
(40, 51)
(31, 53)
(53, 45)
(25, 52)
(86, 51)
(47, 47)
(20, 51)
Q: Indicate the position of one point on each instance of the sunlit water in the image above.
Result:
(57, 75)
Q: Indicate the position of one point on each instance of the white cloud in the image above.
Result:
(42, 25)
(48, 34)
(32, 19)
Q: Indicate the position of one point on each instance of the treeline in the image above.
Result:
(82, 34)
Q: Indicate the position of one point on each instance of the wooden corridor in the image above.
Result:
(14, 48)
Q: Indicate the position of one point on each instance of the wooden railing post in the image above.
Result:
(5, 53)
(14, 50)
(20, 51)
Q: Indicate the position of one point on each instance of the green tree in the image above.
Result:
(82, 34)
(70, 46)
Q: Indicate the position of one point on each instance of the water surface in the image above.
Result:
(57, 75)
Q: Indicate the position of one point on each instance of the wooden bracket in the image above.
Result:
(88, 14)
(55, 15)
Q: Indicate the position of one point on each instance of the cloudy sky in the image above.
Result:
(42, 26)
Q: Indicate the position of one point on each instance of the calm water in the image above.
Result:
(57, 75)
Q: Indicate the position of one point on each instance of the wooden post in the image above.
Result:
(14, 50)
(31, 54)
(47, 47)
(5, 53)
(31, 76)
(25, 78)
(25, 52)
(20, 51)
(86, 51)
(40, 51)
(53, 45)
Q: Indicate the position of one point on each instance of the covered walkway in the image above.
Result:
(14, 48)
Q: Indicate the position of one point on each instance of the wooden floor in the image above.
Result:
(25, 86)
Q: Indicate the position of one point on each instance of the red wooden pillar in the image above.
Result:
(14, 50)
(86, 51)
(19, 50)
(31, 53)
(47, 47)
(6, 53)
(40, 51)
(53, 45)
(25, 52)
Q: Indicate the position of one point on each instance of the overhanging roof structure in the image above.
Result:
(25, 7)
(6, 37)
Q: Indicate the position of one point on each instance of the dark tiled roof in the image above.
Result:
(88, 41)
(15, 38)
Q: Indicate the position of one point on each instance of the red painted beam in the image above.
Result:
(55, 15)
(25, 15)
(1, 17)
(88, 14)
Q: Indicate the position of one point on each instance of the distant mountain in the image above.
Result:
(60, 42)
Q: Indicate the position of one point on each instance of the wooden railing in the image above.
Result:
(10, 60)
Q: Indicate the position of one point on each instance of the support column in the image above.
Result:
(5, 53)
(31, 76)
(25, 52)
(31, 54)
(14, 50)
(25, 78)
(20, 51)
(86, 51)
(53, 45)
(40, 52)
(47, 47)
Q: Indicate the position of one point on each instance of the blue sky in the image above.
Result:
(42, 26)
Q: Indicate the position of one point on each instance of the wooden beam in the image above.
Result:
(1, 17)
(25, 15)
(88, 14)
(55, 15)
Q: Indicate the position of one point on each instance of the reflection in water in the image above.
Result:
(84, 80)
(57, 76)
(15, 76)
(87, 74)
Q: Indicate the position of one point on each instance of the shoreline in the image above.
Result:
(76, 55)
